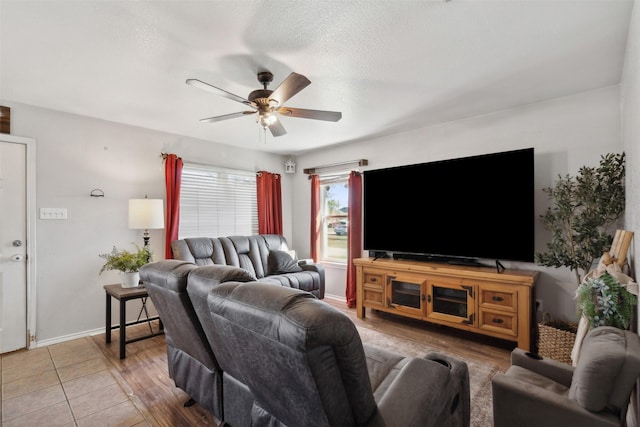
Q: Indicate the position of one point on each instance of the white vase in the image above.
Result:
(130, 280)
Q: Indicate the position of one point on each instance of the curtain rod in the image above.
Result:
(359, 162)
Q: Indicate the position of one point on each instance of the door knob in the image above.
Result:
(17, 243)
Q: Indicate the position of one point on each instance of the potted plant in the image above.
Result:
(583, 215)
(128, 263)
(605, 302)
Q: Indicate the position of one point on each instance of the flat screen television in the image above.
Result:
(465, 209)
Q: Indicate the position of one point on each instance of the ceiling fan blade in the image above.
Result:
(226, 116)
(290, 87)
(330, 116)
(206, 86)
(277, 129)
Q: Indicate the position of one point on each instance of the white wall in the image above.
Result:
(75, 155)
(631, 134)
(566, 134)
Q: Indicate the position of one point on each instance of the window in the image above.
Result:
(217, 202)
(334, 202)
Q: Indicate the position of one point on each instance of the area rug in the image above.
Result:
(480, 373)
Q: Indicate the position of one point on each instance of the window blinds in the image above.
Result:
(216, 202)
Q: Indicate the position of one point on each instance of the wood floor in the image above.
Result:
(144, 377)
(143, 374)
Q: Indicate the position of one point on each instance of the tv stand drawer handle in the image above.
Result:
(496, 320)
(497, 298)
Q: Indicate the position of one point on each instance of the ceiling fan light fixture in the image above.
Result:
(267, 119)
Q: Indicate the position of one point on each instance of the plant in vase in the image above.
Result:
(128, 263)
(605, 302)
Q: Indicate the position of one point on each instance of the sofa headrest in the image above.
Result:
(280, 313)
(608, 366)
(204, 250)
(276, 242)
(240, 243)
(171, 274)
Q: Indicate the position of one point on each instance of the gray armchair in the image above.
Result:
(191, 361)
(188, 352)
(305, 365)
(537, 391)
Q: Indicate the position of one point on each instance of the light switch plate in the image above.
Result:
(53, 213)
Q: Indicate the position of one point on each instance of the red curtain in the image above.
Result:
(315, 217)
(269, 203)
(354, 237)
(173, 177)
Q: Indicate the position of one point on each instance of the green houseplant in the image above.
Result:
(583, 215)
(128, 263)
(605, 302)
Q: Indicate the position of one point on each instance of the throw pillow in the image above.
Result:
(281, 262)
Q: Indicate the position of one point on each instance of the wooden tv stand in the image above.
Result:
(475, 299)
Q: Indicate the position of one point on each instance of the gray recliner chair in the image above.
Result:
(305, 365)
(188, 350)
(191, 361)
(536, 391)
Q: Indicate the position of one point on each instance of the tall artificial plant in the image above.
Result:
(583, 214)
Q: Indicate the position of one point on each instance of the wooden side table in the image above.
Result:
(123, 295)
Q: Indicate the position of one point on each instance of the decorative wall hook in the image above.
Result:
(97, 193)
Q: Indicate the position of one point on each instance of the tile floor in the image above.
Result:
(67, 384)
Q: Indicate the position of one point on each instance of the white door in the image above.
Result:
(13, 243)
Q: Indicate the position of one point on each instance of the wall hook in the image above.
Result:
(97, 193)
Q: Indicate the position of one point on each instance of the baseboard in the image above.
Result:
(335, 297)
(70, 337)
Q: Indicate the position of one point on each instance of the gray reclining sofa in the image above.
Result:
(264, 256)
(205, 309)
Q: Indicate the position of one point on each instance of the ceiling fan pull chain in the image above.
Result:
(260, 135)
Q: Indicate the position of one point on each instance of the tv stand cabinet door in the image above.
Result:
(451, 302)
(406, 293)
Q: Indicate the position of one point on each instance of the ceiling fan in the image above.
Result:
(267, 102)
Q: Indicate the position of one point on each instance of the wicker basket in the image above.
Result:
(556, 339)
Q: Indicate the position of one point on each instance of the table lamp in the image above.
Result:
(145, 214)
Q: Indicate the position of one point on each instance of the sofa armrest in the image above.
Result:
(414, 396)
(319, 268)
(552, 369)
(312, 266)
(522, 404)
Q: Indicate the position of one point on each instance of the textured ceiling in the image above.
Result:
(388, 66)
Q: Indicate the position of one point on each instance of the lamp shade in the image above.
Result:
(146, 213)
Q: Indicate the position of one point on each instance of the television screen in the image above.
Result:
(472, 207)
